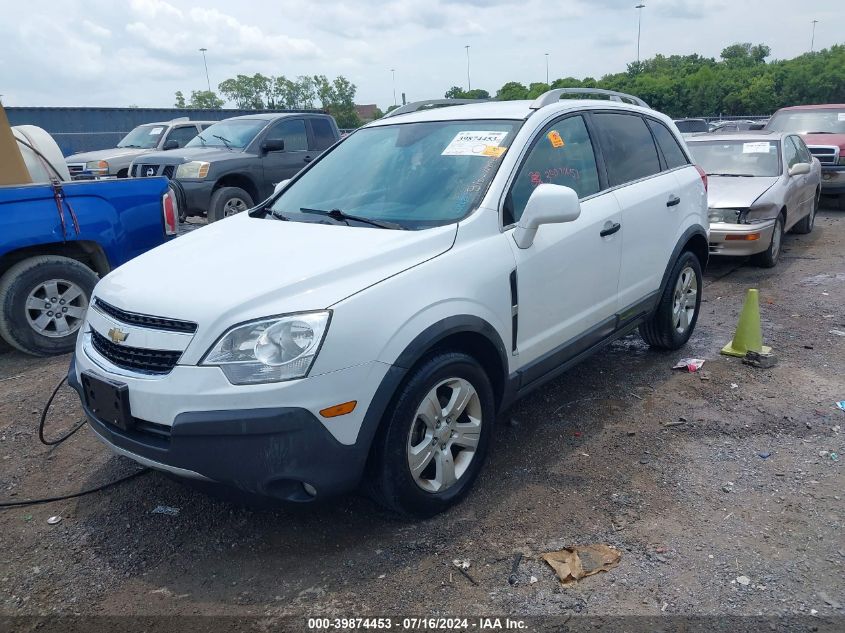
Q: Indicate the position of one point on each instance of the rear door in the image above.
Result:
(284, 164)
(322, 135)
(650, 198)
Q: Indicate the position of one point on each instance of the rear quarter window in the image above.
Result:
(668, 144)
(629, 150)
(323, 134)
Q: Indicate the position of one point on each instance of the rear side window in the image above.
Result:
(668, 144)
(323, 134)
(629, 149)
(292, 132)
(561, 155)
(182, 134)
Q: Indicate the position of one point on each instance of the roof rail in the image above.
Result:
(419, 105)
(553, 96)
(179, 119)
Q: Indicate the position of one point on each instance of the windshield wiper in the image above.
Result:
(202, 140)
(735, 175)
(342, 216)
(130, 145)
(225, 140)
(819, 132)
(276, 214)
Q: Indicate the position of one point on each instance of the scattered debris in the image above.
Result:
(382, 576)
(677, 422)
(834, 457)
(463, 564)
(837, 332)
(459, 565)
(808, 347)
(841, 405)
(692, 365)
(168, 510)
(743, 580)
(830, 601)
(734, 385)
(533, 580)
(54, 519)
(728, 487)
(515, 568)
(631, 393)
(761, 361)
(764, 454)
(573, 563)
(704, 375)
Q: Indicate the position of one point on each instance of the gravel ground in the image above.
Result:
(723, 490)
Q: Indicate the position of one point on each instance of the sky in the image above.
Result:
(140, 52)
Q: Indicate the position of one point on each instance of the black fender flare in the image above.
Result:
(686, 236)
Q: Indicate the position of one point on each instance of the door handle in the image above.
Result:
(673, 200)
(610, 230)
(307, 159)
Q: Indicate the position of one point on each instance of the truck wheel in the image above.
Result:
(673, 321)
(43, 301)
(436, 437)
(228, 201)
(769, 257)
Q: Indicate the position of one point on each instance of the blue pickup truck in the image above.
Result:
(57, 240)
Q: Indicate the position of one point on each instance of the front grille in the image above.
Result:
(168, 171)
(145, 320)
(150, 361)
(826, 155)
(76, 168)
(147, 171)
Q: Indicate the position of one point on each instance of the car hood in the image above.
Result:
(187, 154)
(727, 192)
(831, 140)
(106, 154)
(244, 268)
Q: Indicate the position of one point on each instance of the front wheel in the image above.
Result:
(676, 314)
(808, 221)
(769, 257)
(436, 436)
(43, 301)
(228, 201)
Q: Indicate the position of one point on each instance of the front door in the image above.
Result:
(567, 279)
(283, 164)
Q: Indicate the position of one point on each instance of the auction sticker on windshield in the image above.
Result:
(475, 144)
(156, 130)
(756, 148)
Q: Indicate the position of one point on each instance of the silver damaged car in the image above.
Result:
(761, 184)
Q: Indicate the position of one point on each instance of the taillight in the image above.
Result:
(168, 209)
(703, 175)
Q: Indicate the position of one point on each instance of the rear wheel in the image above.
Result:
(676, 314)
(808, 221)
(43, 301)
(436, 436)
(769, 257)
(228, 201)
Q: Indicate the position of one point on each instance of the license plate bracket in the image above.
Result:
(108, 400)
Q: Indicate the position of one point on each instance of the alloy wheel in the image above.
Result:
(684, 300)
(56, 308)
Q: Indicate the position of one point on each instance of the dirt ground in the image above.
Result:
(698, 479)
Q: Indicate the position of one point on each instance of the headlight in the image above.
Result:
(270, 350)
(98, 166)
(731, 216)
(194, 169)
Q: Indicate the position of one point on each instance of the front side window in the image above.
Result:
(803, 152)
(182, 134)
(791, 153)
(830, 121)
(629, 149)
(292, 132)
(232, 133)
(143, 137)
(737, 158)
(562, 154)
(417, 175)
(672, 152)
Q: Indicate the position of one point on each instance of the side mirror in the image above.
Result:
(548, 204)
(273, 145)
(799, 169)
(170, 144)
(280, 185)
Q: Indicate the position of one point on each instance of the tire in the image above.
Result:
(806, 224)
(769, 257)
(408, 425)
(228, 201)
(672, 323)
(48, 279)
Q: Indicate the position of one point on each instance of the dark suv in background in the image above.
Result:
(236, 162)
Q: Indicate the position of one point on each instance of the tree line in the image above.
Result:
(741, 82)
(260, 92)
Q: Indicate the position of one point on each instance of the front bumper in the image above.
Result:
(833, 180)
(736, 239)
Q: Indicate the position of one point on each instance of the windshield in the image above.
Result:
(808, 122)
(737, 158)
(143, 136)
(688, 127)
(416, 175)
(231, 133)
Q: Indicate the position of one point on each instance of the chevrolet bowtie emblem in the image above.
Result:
(117, 335)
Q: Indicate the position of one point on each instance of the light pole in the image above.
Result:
(469, 85)
(547, 69)
(205, 63)
(639, 8)
(393, 72)
(813, 38)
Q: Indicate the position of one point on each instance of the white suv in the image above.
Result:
(368, 322)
